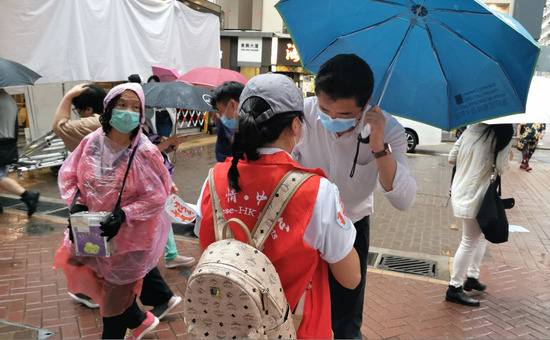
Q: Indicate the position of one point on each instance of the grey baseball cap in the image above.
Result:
(278, 90)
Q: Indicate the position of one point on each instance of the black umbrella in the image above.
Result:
(177, 95)
(14, 74)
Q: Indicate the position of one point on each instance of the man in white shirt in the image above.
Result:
(333, 141)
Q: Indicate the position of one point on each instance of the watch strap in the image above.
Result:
(382, 153)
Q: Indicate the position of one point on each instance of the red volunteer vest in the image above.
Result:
(295, 261)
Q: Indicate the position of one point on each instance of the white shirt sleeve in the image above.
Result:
(198, 220)
(403, 193)
(330, 231)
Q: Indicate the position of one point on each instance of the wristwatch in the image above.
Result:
(386, 151)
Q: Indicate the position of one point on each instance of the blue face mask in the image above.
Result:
(230, 123)
(336, 125)
(124, 121)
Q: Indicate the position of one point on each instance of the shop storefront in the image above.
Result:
(247, 52)
(288, 62)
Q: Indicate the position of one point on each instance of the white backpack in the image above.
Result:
(235, 291)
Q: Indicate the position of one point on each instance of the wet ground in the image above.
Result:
(427, 228)
(517, 304)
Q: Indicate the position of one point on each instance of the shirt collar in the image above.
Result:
(271, 151)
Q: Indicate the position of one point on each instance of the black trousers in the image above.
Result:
(347, 304)
(154, 292)
(114, 327)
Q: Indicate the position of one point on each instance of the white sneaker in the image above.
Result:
(163, 310)
(83, 299)
(181, 261)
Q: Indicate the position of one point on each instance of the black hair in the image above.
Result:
(92, 97)
(250, 136)
(134, 78)
(345, 76)
(153, 77)
(225, 92)
(501, 136)
(105, 118)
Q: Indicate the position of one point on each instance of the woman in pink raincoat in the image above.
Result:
(137, 230)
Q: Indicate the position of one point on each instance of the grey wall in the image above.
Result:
(529, 14)
(245, 14)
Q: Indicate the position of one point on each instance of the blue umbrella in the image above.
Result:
(446, 63)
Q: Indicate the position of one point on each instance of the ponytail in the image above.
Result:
(251, 136)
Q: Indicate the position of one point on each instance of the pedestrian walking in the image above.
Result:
(336, 138)
(225, 101)
(474, 155)
(530, 135)
(136, 227)
(9, 154)
(312, 235)
(172, 258)
(87, 100)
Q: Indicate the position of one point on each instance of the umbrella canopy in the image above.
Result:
(445, 63)
(177, 95)
(538, 110)
(165, 74)
(15, 74)
(212, 76)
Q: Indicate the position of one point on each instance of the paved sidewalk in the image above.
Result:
(518, 272)
(517, 303)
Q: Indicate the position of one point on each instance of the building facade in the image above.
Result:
(545, 33)
(254, 41)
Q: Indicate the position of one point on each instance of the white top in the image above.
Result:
(320, 148)
(474, 156)
(8, 115)
(325, 232)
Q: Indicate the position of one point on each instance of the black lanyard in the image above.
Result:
(360, 140)
(119, 200)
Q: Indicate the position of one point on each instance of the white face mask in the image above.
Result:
(296, 139)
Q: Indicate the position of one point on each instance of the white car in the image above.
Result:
(419, 133)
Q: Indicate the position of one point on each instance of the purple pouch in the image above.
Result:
(87, 235)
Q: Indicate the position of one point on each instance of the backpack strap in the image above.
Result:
(217, 211)
(269, 215)
(276, 204)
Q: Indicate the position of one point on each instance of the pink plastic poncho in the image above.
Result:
(97, 167)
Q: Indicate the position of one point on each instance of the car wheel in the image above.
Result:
(412, 140)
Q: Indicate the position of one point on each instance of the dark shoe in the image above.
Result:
(457, 295)
(30, 198)
(474, 284)
(1, 209)
(523, 166)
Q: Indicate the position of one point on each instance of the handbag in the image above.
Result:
(491, 216)
(8, 149)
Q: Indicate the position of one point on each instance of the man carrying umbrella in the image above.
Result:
(336, 138)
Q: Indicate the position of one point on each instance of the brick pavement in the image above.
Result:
(427, 228)
(518, 273)
(397, 306)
